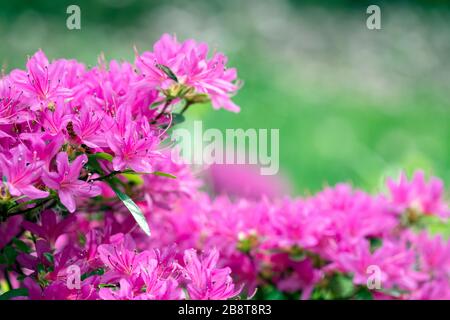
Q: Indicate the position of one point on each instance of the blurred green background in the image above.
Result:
(351, 104)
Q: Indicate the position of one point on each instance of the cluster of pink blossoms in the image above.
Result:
(85, 177)
(327, 246)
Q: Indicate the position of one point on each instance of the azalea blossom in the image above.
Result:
(192, 67)
(66, 180)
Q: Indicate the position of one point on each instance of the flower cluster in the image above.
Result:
(76, 143)
(111, 268)
(334, 244)
(86, 175)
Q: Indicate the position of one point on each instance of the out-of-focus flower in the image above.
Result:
(417, 194)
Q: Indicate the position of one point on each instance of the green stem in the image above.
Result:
(106, 177)
(166, 105)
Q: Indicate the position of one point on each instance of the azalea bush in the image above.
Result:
(94, 207)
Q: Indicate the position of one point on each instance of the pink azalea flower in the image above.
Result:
(49, 228)
(44, 151)
(42, 83)
(434, 253)
(417, 194)
(9, 229)
(159, 286)
(12, 107)
(121, 255)
(206, 281)
(54, 121)
(190, 63)
(66, 181)
(21, 171)
(31, 261)
(90, 129)
(133, 144)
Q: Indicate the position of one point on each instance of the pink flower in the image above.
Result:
(12, 107)
(227, 179)
(22, 170)
(54, 121)
(89, 128)
(133, 144)
(121, 255)
(159, 286)
(206, 281)
(49, 229)
(434, 253)
(66, 181)
(42, 83)
(9, 229)
(190, 63)
(419, 195)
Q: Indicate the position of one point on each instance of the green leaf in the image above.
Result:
(49, 257)
(363, 293)
(167, 71)
(93, 164)
(21, 246)
(103, 155)
(99, 272)
(341, 286)
(164, 174)
(21, 292)
(107, 285)
(156, 173)
(133, 208)
(10, 254)
(41, 268)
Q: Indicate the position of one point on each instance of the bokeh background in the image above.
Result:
(351, 104)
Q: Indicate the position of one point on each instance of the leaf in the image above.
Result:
(341, 286)
(49, 257)
(103, 155)
(164, 174)
(99, 272)
(156, 173)
(167, 71)
(10, 254)
(21, 292)
(93, 164)
(21, 246)
(363, 294)
(133, 208)
(134, 178)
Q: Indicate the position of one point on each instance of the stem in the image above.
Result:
(42, 204)
(106, 177)
(168, 101)
(188, 104)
